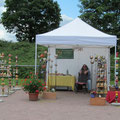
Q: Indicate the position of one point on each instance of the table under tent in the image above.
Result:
(79, 41)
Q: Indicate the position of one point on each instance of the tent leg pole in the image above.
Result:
(35, 58)
(115, 62)
(108, 69)
(91, 75)
(47, 67)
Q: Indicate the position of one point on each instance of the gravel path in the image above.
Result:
(68, 106)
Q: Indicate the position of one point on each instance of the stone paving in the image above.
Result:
(67, 106)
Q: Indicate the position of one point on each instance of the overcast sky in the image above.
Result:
(69, 11)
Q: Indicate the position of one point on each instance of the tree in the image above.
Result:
(102, 14)
(26, 18)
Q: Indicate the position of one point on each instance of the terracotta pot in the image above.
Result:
(33, 96)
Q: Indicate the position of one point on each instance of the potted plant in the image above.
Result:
(33, 86)
(93, 94)
(49, 94)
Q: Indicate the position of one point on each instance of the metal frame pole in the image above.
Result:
(115, 61)
(48, 66)
(108, 68)
(35, 57)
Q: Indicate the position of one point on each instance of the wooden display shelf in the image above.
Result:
(98, 101)
(113, 89)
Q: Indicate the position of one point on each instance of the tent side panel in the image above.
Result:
(80, 58)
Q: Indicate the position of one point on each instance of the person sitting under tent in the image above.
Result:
(83, 79)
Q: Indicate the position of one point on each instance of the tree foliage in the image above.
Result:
(102, 14)
(26, 18)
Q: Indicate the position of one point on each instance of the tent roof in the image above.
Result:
(76, 32)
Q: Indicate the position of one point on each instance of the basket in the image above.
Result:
(98, 101)
(114, 89)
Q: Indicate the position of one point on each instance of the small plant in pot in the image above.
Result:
(33, 86)
(93, 94)
(49, 93)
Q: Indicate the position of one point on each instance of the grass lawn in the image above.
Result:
(13, 81)
(113, 82)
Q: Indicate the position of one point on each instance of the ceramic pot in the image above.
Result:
(92, 95)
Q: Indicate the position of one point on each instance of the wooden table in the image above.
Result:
(61, 81)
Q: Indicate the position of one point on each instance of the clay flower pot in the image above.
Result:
(33, 96)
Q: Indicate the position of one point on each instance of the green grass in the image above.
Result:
(24, 50)
(13, 81)
(112, 82)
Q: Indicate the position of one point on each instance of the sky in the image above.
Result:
(69, 11)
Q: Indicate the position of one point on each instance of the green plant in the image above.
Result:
(93, 92)
(28, 16)
(33, 85)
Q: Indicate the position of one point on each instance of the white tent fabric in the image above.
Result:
(76, 32)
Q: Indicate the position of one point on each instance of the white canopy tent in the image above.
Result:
(76, 34)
